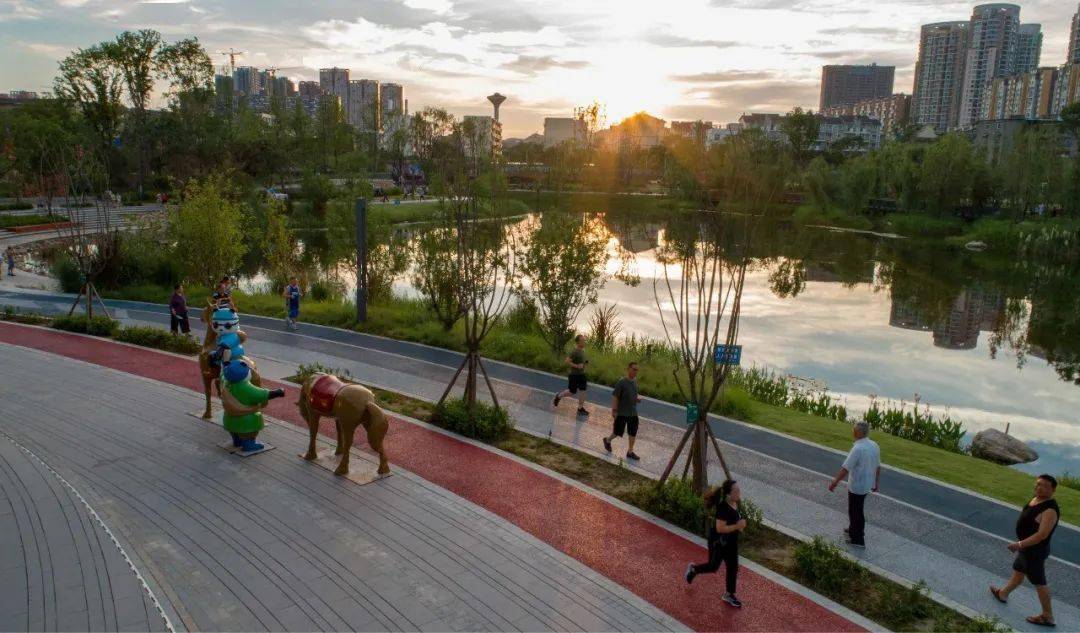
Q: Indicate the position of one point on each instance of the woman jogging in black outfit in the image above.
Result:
(723, 537)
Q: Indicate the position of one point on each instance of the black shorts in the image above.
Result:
(1031, 565)
(577, 383)
(627, 423)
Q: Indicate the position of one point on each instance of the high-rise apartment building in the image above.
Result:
(1029, 95)
(392, 100)
(993, 43)
(245, 80)
(335, 81)
(939, 75)
(310, 90)
(846, 85)
(1074, 39)
(1029, 48)
(893, 111)
(362, 111)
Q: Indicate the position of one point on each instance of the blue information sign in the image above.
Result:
(728, 354)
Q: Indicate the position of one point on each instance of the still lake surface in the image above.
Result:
(993, 341)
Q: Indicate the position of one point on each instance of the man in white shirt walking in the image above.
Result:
(863, 471)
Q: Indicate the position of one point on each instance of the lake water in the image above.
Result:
(992, 341)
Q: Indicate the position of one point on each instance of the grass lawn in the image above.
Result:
(993, 480)
(11, 221)
(519, 344)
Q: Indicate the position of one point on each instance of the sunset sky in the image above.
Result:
(678, 59)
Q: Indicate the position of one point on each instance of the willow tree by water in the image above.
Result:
(466, 179)
(704, 258)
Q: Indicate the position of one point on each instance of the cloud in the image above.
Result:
(164, 1)
(725, 76)
(529, 65)
(668, 40)
(435, 6)
(774, 96)
(18, 10)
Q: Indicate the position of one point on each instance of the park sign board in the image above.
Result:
(728, 354)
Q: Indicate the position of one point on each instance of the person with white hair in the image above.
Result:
(862, 468)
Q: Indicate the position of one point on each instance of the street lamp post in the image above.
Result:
(361, 260)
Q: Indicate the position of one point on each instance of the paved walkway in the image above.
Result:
(300, 549)
(918, 529)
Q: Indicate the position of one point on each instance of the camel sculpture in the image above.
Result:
(350, 405)
(211, 372)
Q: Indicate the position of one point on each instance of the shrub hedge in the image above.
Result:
(95, 326)
(147, 336)
(491, 424)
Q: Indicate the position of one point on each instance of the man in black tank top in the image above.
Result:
(1037, 522)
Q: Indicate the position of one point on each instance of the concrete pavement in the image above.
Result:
(271, 542)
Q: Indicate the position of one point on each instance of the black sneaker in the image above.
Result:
(607, 445)
(583, 412)
(690, 573)
(555, 402)
(632, 455)
(732, 600)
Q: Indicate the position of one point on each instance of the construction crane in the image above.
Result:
(232, 58)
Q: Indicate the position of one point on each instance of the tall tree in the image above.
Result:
(209, 224)
(92, 79)
(801, 130)
(562, 269)
(136, 53)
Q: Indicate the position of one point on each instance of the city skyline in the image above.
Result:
(711, 60)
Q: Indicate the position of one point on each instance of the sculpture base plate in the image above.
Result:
(361, 471)
(228, 446)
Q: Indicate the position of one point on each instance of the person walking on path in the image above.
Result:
(624, 401)
(723, 504)
(178, 312)
(1037, 522)
(222, 297)
(292, 303)
(576, 383)
(863, 471)
(10, 256)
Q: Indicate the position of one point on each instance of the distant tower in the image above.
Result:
(496, 100)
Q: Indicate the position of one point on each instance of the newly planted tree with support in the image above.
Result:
(704, 259)
(466, 180)
(76, 182)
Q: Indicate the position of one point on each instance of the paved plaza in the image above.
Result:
(149, 524)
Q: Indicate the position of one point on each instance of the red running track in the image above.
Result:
(639, 555)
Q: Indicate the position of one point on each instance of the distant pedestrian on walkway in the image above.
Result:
(863, 471)
(178, 312)
(723, 505)
(624, 401)
(1037, 522)
(577, 383)
(10, 256)
(292, 303)
(222, 297)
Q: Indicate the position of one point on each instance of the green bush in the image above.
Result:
(29, 318)
(823, 567)
(1069, 480)
(755, 518)
(674, 502)
(95, 326)
(491, 424)
(307, 370)
(158, 339)
(15, 206)
(326, 290)
(67, 274)
(11, 221)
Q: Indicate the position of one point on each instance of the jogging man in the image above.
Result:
(292, 303)
(577, 384)
(624, 401)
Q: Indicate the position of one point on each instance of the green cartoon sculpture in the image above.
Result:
(243, 403)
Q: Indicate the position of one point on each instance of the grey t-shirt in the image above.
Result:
(626, 392)
(577, 356)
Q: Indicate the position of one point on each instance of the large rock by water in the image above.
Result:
(996, 446)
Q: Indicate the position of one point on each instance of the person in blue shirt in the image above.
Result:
(292, 296)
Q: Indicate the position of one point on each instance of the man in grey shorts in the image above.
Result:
(624, 399)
